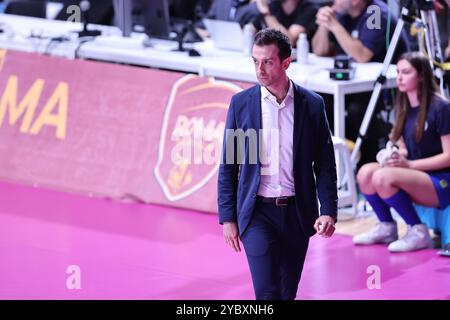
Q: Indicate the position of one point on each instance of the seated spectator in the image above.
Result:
(420, 171)
(292, 17)
(349, 27)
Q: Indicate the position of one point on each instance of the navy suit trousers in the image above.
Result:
(276, 247)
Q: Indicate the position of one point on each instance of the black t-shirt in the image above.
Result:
(436, 125)
(304, 15)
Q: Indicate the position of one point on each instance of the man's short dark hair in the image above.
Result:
(269, 36)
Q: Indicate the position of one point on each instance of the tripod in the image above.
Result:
(433, 45)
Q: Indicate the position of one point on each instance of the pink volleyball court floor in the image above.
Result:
(119, 250)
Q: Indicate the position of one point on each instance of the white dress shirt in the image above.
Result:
(276, 144)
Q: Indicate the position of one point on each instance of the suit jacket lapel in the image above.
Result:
(255, 108)
(299, 117)
(254, 114)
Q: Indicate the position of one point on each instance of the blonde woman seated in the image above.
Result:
(420, 171)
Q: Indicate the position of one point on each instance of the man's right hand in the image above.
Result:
(326, 17)
(231, 235)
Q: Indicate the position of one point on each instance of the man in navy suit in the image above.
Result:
(277, 158)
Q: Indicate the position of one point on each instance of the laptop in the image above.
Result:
(226, 35)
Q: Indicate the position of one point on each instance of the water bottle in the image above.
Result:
(249, 33)
(302, 49)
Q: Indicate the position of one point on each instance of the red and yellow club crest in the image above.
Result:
(191, 134)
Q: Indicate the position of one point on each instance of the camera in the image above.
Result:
(343, 69)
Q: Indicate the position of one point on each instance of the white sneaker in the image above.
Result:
(417, 237)
(383, 232)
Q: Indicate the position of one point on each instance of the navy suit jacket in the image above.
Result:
(314, 167)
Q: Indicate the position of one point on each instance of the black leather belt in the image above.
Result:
(278, 201)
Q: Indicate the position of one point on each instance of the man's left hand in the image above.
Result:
(325, 226)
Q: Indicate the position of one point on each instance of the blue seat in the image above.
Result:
(436, 219)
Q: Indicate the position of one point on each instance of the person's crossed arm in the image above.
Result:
(327, 21)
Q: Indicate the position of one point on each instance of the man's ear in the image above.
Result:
(286, 63)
